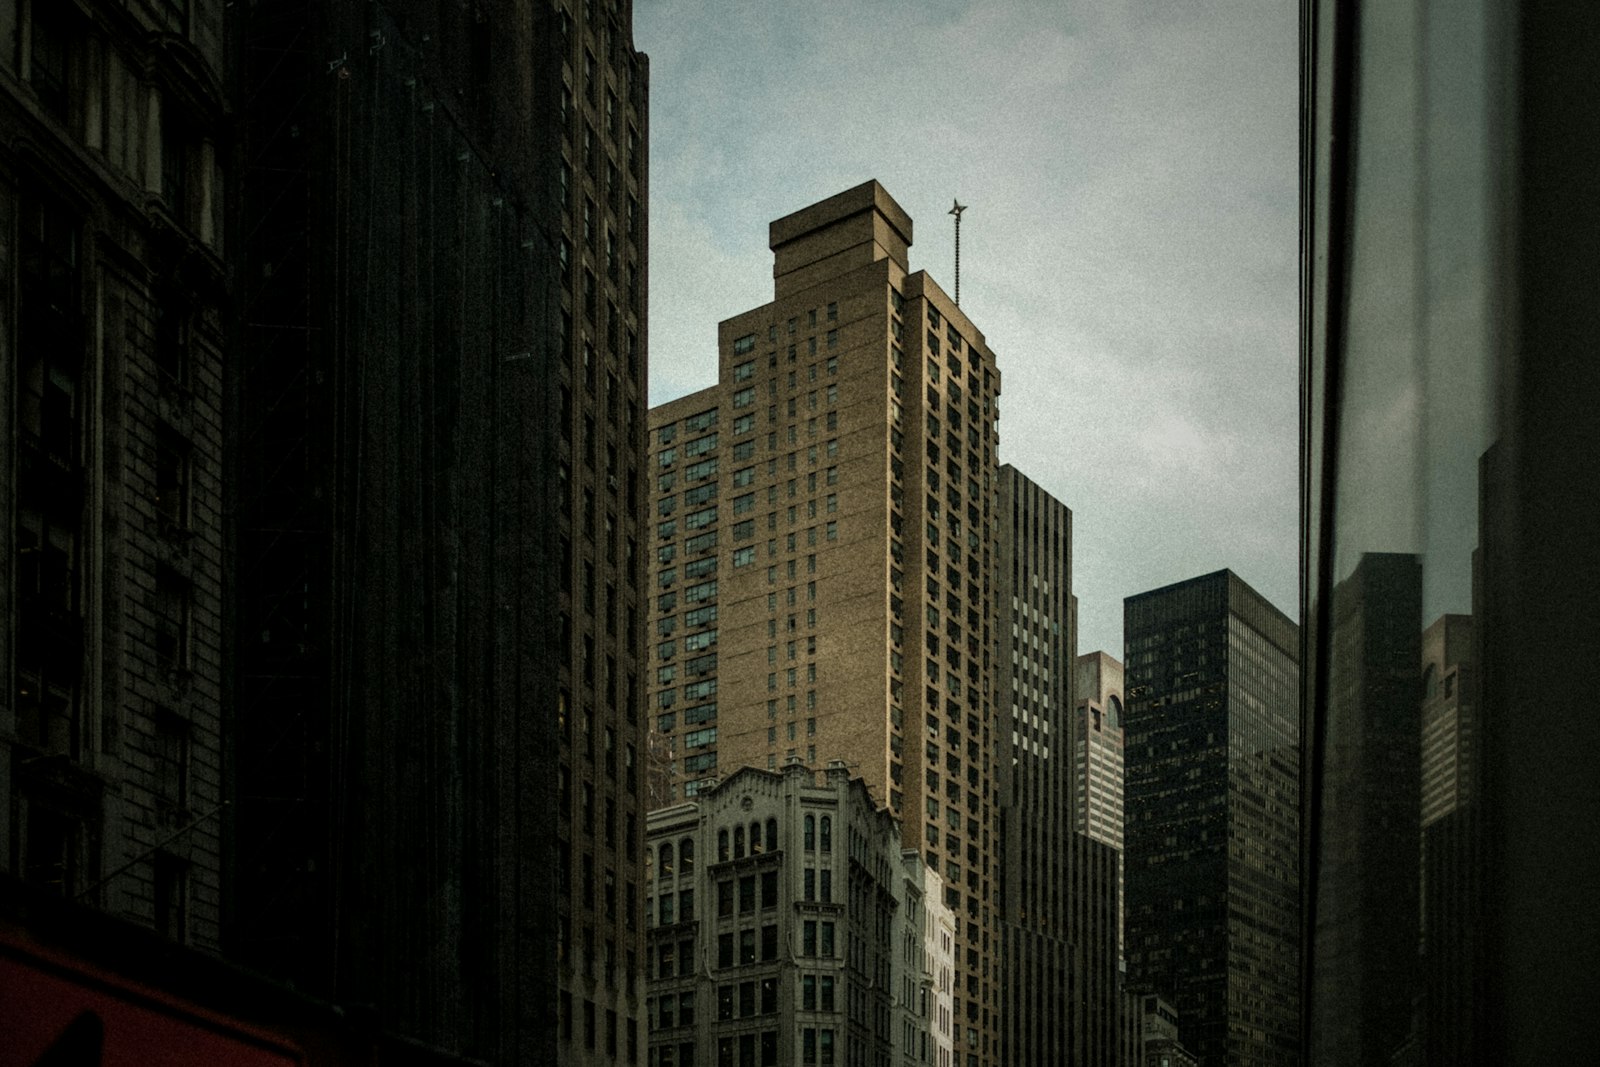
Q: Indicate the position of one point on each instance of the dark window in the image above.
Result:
(51, 43)
(747, 894)
(172, 760)
(174, 161)
(171, 897)
(769, 942)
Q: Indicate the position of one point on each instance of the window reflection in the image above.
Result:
(1399, 364)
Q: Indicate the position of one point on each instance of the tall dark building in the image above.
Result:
(438, 394)
(1058, 887)
(1372, 774)
(1211, 833)
(113, 328)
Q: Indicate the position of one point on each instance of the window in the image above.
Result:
(50, 48)
(744, 344)
(743, 557)
(747, 946)
(698, 691)
(172, 483)
(743, 398)
(747, 893)
(171, 891)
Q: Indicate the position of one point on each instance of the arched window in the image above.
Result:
(827, 834)
(755, 838)
(1430, 683)
(772, 835)
(738, 842)
(666, 860)
(1116, 712)
(811, 831)
(686, 855)
(722, 846)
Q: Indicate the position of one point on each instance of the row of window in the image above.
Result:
(591, 1037)
(746, 946)
(703, 689)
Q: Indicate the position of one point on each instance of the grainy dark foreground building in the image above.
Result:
(114, 304)
(325, 324)
(441, 385)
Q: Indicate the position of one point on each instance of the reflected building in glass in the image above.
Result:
(1449, 390)
(1449, 682)
(1212, 794)
(1372, 777)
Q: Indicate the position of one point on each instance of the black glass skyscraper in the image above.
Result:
(1211, 814)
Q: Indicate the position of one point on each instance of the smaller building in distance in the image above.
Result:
(787, 925)
(1449, 686)
(1097, 779)
(1097, 759)
(1150, 1033)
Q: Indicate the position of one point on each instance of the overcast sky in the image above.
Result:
(1129, 249)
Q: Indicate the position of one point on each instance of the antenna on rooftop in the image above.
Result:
(956, 211)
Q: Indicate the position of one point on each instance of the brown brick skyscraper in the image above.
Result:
(823, 554)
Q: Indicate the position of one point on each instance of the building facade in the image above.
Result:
(440, 385)
(114, 293)
(925, 970)
(1097, 758)
(1058, 887)
(823, 556)
(788, 927)
(1212, 798)
(1150, 1033)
